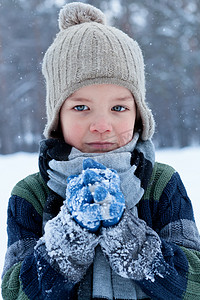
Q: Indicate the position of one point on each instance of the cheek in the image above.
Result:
(125, 131)
(72, 133)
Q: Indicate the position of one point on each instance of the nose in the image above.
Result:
(101, 124)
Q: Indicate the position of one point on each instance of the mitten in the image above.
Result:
(70, 248)
(94, 197)
(132, 248)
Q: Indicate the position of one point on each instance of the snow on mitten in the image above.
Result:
(94, 197)
(68, 247)
(81, 205)
(105, 188)
(132, 248)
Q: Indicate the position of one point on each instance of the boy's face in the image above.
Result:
(98, 118)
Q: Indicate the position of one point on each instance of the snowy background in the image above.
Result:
(16, 166)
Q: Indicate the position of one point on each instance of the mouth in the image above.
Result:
(102, 146)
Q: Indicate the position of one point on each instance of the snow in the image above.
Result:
(16, 166)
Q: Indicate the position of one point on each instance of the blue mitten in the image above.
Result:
(94, 197)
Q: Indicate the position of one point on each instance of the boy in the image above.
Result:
(101, 220)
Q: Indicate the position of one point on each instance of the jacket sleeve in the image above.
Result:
(22, 277)
(170, 214)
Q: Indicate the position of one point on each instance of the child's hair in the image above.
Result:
(86, 51)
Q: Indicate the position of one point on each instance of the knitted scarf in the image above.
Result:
(134, 164)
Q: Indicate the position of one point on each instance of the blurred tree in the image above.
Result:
(26, 29)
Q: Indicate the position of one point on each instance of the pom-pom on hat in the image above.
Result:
(86, 51)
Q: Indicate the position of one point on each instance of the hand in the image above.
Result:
(70, 248)
(132, 248)
(94, 197)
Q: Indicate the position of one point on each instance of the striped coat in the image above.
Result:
(165, 207)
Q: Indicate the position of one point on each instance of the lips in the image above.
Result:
(102, 146)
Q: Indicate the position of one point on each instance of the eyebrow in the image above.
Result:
(124, 98)
(77, 99)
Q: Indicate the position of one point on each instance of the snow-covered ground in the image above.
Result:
(14, 167)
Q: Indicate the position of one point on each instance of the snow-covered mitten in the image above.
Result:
(69, 248)
(132, 248)
(94, 197)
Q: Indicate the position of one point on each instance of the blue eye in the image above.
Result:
(118, 108)
(81, 107)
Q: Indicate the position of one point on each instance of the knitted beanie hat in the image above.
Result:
(86, 51)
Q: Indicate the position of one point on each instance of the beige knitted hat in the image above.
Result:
(87, 51)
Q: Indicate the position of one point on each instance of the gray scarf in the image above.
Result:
(114, 287)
